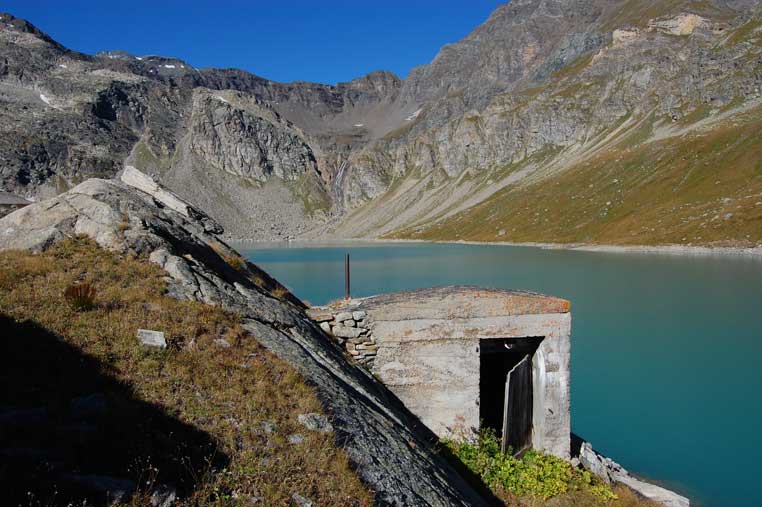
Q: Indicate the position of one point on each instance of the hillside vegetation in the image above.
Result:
(536, 479)
(703, 187)
(213, 417)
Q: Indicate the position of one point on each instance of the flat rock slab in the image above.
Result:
(342, 316)
(346, 332)
(460, 302)
(320, 315)
(151, 338)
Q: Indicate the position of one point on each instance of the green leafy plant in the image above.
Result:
(533, 475)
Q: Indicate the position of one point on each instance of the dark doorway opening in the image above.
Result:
(507, 362)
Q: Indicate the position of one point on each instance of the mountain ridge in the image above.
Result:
(538, 87)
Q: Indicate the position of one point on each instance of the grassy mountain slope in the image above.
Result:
(652, 138)
(208, 418)
(704, 187)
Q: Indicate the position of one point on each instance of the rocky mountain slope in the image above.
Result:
(260, 155)
(393, 453)
(627, 121)
(638, 129)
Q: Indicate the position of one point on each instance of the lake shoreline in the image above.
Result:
(584, 247)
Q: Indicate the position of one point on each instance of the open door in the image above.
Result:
(505, 389)
(517, 407)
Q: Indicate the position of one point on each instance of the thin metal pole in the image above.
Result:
(346, 277)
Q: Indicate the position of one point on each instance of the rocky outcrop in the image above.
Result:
(237, 142)
(393, 453)
(612, 472)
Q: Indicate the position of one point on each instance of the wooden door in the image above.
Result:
(517, 408)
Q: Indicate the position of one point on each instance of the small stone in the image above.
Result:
(346, 332)
(315, 422)
(222, 343)
(342, 316)
(349, 323)
(301, 501)
(501, 232)
(358, 315)
(320, 315)
(152, 338)
(269, 427)
(295, 439)
(325, 326)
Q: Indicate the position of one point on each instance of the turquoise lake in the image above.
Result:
(665, 349)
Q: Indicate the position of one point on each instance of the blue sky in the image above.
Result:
(323, 41)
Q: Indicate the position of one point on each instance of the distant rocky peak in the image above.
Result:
(12, 23)
(378, 80)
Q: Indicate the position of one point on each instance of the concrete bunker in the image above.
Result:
(461, 358)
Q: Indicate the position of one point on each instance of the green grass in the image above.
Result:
(744, 32)
(147, 161)
(310, 192)
(193, 415)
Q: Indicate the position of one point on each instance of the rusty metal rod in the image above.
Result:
(346, 277)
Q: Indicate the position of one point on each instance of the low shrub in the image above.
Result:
(80, 296)
(533, 475)
(236, 262)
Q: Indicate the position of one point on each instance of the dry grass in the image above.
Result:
(236, 262)
(280, 292)
(625, 498)
(80, 296)
(193, 415)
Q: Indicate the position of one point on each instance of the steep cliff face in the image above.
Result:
(241, 143)
(542, 87)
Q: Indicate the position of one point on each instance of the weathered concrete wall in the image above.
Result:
(551, 416)
(426, 350)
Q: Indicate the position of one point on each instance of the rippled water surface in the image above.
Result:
(666, 349)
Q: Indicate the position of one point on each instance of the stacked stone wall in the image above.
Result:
(351, 330)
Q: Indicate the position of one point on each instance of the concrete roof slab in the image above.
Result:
(459, 302)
